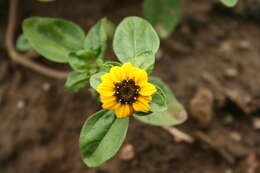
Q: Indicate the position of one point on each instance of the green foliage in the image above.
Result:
(101, 137)
(136, 41)
(170, 97)
(175, 114)
(97, 37)
(229, 3)
(76, 81)
(106, 66)
(159, 102)
(83, 60)
(22, 43)
(164, 15)
(95, 79)
(53, 38)
(157, 118)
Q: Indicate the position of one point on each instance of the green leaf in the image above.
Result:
(22, 43)
(98, 35)
(101, 137)
(157, 118)
(106, 66)
(95, 79)
(94, 130)
(159, 102)
(163, 14)
(83, 60)
(136, 41)
(53, 38)
(229, 3)
(175, 114)
(163, 87)
(76, 81)
(175, 108)
(147, 61)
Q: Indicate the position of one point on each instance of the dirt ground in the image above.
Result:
(211, 62)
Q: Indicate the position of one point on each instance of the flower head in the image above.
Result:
(126, 90)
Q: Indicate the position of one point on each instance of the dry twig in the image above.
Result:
(179, 135)
(23, 59)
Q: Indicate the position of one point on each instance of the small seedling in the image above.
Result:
(124, 88)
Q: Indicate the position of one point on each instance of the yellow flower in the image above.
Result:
(126, 90)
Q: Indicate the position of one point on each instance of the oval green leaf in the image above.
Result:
(95, 79)
(76, 81)
(159, 102)
(229, 3)
(98, 35)
(101, 137)
(164, 15)
(174, 115)
(175, 108)
(106, 66)
(53, 38)
(83, 60)
(136, 41)
(22, 43)
(157, 118)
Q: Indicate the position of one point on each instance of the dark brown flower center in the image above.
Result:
(126, 91)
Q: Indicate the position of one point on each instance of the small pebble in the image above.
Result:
(127, 152)
(231, 72)
(244, 44)
(229, 119)
(229, 170)
(226, 47)
(256, 123)
(20, 104)
(235, 136)
(201, 106)
(46, 86)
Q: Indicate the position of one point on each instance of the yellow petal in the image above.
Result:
(105, 89)
(109, 102)
(140, 76)
(145, 98)
(147, 89)
(117, 74)
(108, 99)
(124, 110)
(141, 105)
(107, 78)
(129, 70)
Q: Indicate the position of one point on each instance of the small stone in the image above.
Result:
(229, 170)
(20, 104)
(256, 123)
(229, 119)
(226, 48)
(231, 72)
(244, 44)
(127, 152)
(201, 106)
(46, 86)
(235, 136)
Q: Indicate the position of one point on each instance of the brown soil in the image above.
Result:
(213, 55)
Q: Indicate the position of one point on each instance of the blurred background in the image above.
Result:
(211, 62)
